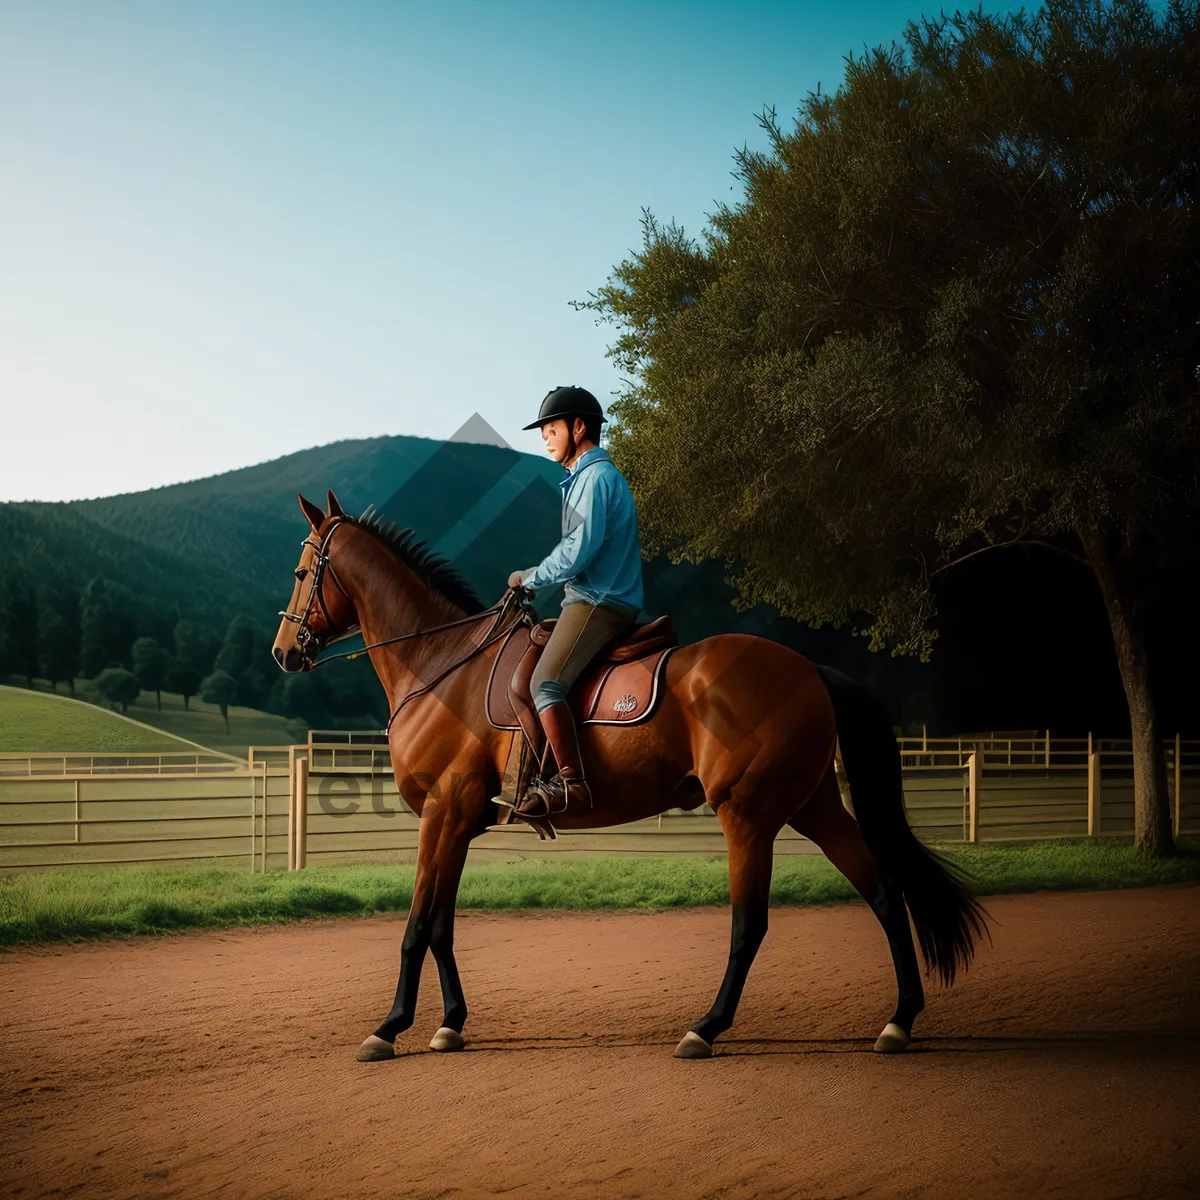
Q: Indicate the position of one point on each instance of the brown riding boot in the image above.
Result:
(548, 797)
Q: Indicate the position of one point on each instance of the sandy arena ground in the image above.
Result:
(1066, 1064)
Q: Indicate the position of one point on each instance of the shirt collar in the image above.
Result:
(595, 454)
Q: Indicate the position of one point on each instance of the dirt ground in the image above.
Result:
(1066, 1064)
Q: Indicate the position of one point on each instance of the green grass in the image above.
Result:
(33, 720)
(73, 905)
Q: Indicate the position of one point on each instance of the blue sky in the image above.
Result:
(232, 230)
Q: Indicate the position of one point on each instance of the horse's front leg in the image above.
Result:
(441, 942)
(441, 853)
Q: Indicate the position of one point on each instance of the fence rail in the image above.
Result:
(337, 801)
(131, 763)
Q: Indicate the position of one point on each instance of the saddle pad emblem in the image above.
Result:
(625, 705)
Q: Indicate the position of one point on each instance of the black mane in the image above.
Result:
(438, 574)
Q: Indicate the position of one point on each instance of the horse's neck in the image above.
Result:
(391, 601)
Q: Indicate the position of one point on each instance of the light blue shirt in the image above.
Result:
(599, 558)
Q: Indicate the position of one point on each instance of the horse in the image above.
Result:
(744, 725)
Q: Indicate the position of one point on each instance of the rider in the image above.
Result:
(600, 561)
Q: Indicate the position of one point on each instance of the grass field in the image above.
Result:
(46, 725)
(74, 905)
(36, 721)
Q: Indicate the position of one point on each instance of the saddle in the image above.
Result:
(620, 686)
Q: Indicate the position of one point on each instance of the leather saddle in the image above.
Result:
(622, 685)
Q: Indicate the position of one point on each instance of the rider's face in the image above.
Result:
(556, 439)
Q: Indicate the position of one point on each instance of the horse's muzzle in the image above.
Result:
(290, 659)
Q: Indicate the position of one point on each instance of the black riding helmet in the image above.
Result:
(568, 402)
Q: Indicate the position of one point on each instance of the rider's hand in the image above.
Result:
(514, 580)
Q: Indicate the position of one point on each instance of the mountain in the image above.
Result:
(1024, 642)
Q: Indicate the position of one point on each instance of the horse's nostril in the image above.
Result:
(278, 655)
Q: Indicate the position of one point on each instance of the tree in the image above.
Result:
(220, 688)
(58, 639)
(955, 312)
(182, 679)
(246, 655)
(22, 622)
(150, 663)
(297, 729)
(108, 626)
(305, 694)
(196, 646)
(119, 686)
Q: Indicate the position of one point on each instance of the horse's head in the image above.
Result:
(320, 609)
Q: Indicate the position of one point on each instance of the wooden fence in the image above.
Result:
(336, 801)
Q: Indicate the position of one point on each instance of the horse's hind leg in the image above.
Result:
(750, 859)
(825, 821)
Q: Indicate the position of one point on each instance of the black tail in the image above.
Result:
(947, 917)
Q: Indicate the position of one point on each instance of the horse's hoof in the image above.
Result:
(375, 1049)
(447, 1039)
(892, 1040)
(693, 1046)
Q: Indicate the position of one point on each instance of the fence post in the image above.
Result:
(253, 819)
(1093, 792)
(974, 780)
(1047, 749)
(266, 784)
(300, 790)
(291, 845)
(1178, 788)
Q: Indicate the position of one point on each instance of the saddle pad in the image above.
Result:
(607, 693)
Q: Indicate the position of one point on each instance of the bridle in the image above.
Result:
(514, 600)
(310, 643)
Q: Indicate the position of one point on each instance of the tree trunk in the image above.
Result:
(159, 695)
(1151, 802)
(186, 704)
(225, 714)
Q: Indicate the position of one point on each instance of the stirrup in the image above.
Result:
(555, 796)
(540, 799)
(545, 830)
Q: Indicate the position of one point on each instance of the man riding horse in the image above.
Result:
(599, 559)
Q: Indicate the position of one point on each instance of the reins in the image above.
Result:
(512, 601)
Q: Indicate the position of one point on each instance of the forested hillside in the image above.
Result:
(178, 588)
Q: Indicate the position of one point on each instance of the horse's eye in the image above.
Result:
(301, 572)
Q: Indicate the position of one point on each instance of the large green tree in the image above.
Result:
(955, 311)
(150, 663)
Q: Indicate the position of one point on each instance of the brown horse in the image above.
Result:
(745, 725)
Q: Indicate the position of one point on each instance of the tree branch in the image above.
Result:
(1019, 540)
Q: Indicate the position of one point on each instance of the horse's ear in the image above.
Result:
(335, 509)
(311, 511)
